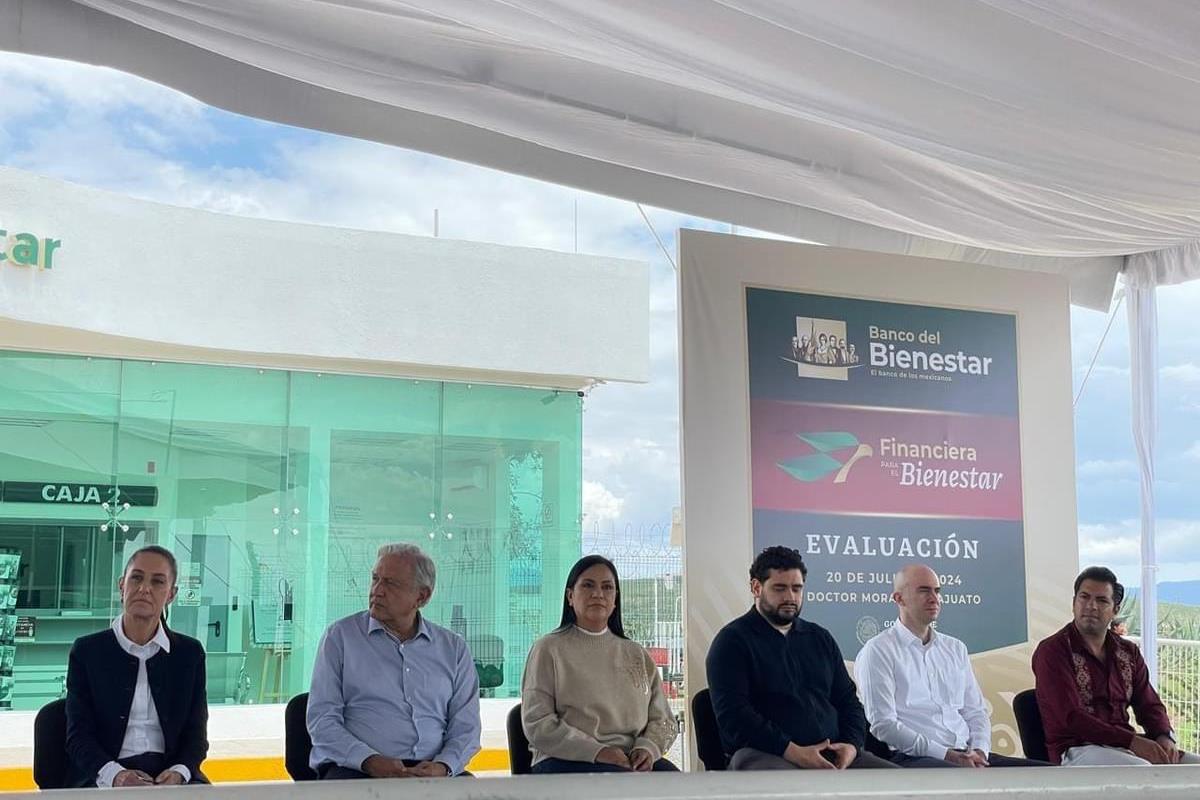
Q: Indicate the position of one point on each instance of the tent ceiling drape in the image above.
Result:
(1058, 136)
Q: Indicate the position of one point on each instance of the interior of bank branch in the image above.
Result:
(274, 489)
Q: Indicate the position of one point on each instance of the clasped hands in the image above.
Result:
(967, 758)
(639, 759)
(822, 755)
(383, 767)
(136, 777)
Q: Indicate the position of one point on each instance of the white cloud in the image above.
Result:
(599, 504)
(1099, 468)
(1118, 545)
(1109, 542)
(1183, 373)
(1193, 452)
(1103, 371)
(32, 84)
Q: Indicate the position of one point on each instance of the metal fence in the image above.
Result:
(1179, 686)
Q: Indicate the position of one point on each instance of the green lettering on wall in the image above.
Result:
(48, 252)
(25, 251)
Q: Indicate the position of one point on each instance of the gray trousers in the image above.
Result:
(1096, 755)
(749, 758)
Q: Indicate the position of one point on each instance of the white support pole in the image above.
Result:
(1143, 372)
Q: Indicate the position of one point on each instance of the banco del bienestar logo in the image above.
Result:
(834, 453)
(820, 350)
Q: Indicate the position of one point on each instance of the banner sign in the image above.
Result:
(883, 434)
(83, 494)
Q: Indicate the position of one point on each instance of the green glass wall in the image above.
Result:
(274, 489)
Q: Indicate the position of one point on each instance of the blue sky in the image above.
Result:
(113, 131)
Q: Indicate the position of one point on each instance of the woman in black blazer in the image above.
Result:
(137, 713)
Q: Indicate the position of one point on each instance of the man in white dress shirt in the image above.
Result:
(918, 689)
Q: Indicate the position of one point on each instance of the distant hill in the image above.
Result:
(1181, 592)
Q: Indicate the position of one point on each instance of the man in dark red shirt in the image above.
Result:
(1088, 677)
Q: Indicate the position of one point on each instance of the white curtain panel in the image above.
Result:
(1058, 136)
(1142, 311)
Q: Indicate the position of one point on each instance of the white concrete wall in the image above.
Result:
(145, 280)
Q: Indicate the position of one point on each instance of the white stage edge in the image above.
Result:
(1075, 783)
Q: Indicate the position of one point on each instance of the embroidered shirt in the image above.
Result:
(1086, 700)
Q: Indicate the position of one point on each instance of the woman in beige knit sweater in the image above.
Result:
(592, 700)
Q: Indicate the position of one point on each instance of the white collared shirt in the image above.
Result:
(921, 698)
(143, 733)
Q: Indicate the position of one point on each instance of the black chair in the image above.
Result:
(878, 748)
(520, 757)
(708, 735)
(1029, 725)
(297, 744)
(50, 746)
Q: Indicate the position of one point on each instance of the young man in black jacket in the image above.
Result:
(779, 686)
(137, 712)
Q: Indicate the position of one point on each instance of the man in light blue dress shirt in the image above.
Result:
(393, 695)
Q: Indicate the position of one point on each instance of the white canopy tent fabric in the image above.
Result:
(1054, 135)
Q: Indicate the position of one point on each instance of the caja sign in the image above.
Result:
(82, 494)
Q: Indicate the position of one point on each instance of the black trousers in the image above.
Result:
(747, 758)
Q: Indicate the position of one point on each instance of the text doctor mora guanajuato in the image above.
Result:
(889, 354)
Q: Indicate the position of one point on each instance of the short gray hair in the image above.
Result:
(424, 569)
